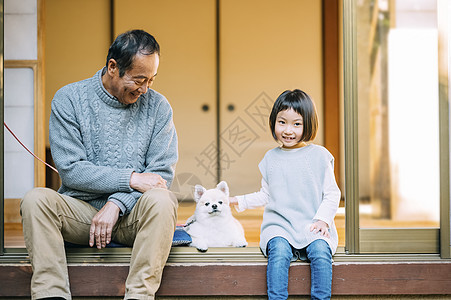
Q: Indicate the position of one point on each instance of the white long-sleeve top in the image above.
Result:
(298, 188)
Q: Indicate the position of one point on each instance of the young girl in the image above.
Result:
(301, 198)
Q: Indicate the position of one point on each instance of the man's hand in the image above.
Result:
(321, 228)
(102, 225)
(146, 181)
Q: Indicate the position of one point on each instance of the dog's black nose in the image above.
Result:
(214, 206)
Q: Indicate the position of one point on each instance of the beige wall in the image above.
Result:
(266, 47)
(77, 37)
(186, 32)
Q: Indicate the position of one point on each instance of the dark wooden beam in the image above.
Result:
(331, 81)
(237, 279)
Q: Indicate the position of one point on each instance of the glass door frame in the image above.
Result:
(2, 175)
(360, 240)
(444, 31)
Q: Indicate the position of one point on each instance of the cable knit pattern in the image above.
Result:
(97, 142)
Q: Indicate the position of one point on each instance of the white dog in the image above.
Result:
(212, 224)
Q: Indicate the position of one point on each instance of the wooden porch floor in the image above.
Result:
(250, 219)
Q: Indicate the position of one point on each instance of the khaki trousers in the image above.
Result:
(49, 218)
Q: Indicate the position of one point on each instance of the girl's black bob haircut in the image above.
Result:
(301, 103)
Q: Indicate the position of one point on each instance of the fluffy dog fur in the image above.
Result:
(212, 224)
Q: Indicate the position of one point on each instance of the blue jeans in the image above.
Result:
(280, 254)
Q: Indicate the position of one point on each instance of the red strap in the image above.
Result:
(28, 149)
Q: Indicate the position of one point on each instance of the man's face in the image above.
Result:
(136, 80)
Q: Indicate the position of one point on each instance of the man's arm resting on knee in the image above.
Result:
(140, 183)
(146, 181)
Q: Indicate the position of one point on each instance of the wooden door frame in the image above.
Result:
(331, 80)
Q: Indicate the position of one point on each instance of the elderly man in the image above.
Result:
(114, 144)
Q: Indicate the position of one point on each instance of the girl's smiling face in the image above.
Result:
(289, 128)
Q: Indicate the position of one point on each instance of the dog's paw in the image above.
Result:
(200, 244)
(240, 244)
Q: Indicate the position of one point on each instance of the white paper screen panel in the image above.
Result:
(19, 116)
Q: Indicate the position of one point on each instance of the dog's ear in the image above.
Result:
(198, 192)
(223, 187)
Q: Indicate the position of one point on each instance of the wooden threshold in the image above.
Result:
(245, 279)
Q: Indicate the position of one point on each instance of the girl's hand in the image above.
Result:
(321, 228)
(233, 200)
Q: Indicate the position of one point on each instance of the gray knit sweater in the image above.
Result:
(97, 142)
(299, 193)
